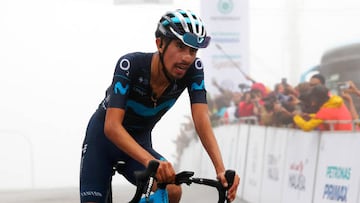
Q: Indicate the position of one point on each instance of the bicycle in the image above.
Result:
(145, 180)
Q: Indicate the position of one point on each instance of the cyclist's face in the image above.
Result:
(177, 58)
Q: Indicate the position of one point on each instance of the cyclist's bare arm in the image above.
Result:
(117, 134)
(204, 130)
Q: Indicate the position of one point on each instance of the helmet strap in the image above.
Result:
(161, 55)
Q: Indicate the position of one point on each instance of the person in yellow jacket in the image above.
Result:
(325, 108)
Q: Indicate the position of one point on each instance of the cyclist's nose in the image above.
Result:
(188, 56)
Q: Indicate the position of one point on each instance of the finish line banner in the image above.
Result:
(226, 60)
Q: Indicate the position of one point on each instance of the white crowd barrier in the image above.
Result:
(279, 165)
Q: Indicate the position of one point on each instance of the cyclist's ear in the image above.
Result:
(160, 44)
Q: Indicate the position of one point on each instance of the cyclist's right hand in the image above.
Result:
(165, 173)
(232, 188)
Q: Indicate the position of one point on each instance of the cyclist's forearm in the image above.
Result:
(128, 145)
(213, 150)
(118, 135)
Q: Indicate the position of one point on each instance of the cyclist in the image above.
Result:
(144, 87)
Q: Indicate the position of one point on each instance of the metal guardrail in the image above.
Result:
(253, 120)
(355, 124)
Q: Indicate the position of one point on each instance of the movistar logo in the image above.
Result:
(119, 88)
(200, 40)
(196, 86)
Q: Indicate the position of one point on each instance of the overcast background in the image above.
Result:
(57, 59)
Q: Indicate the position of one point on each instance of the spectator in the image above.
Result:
(268, 116)
(317, 79)
(303, 91)
(284, 112)
(260, 87)
(258, 93)
(280, 105)
(350, 103)
(302, 88)
(222, 101)
(279, 93)
(353, 89)
(245, 106)
(249, 106)
(231, 111)
(328, 108)
(346, 95)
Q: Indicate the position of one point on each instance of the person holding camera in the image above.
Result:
(352, 89)
(346, 89)
(330, 111)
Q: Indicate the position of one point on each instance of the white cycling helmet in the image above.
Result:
(185, 26)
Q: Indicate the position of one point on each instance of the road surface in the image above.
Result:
(122, 194)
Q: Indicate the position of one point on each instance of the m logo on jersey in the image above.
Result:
(119, 88)
(196, 86)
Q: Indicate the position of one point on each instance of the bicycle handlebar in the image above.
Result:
(145, 180)
(222, 191)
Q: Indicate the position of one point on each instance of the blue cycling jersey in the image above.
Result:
(130, 90)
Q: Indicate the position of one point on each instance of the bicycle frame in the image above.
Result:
(159, 196)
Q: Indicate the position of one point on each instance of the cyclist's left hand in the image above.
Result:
(165, 172)
(231, 194)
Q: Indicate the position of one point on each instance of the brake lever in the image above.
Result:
(184, 177)
(142, 178)
(180, 178)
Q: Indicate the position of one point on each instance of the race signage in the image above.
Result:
(338, 173)
(226, 58)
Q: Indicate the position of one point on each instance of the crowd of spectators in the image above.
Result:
(308, 106)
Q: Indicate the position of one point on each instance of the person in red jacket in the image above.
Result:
(327, 108)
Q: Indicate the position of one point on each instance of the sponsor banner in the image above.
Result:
(232, 140)
(254, 164)
(227, 136)
(338, 171)
(241, 150)
(274, 162)
(300, 164)
(227, 55)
